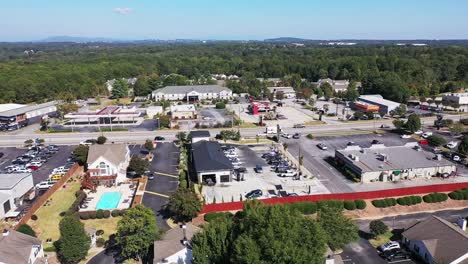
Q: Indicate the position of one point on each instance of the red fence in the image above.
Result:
(342, 196)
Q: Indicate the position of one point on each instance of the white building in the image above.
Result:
(338, 85)
(200, 135)
(107, 164)
(174, 247)
(210, 163)
(154, 110)
(288, 92)
(384, 105)
(381, 163)
(13, 190)
(458, 98)
(16, 247)
(191, 93)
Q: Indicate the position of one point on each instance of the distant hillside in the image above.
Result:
(77, 39)
(286, 39)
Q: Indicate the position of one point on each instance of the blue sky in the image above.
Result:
(240, 19)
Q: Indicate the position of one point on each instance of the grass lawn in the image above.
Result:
(254, 141)
(47, 224)
(314, 123)
(381, 239)
(109, 225)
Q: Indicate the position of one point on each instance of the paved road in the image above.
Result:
(9, 139)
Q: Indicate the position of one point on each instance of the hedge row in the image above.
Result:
(353, 205)
(216, 215)
(80, 196)
(409, 200)
(435, 197)
(384, 203)
(100, 214)
(459, 194)
(313, 207)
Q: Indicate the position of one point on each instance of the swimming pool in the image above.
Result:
(109, 200)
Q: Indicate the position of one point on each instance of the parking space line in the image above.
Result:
(168, 175)
(157, 194)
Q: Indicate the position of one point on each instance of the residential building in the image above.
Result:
(175, 245)
(200, 135)
(288, 92)
(191, 93)
(16, 247)
(459, 99)
(107, 164)
(337, 85)
(381, 163)
(14, 189)
(210, 163)
(385, 106)
(436, 240)
(106, 116)
(21, 115)
(110, 83)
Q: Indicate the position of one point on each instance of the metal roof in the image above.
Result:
(200, 134)
(28, 108)
(375, 99)
(189, 88)
(9, 181)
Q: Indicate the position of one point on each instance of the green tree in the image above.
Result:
(399, 124)
(400, 110)
(184, 205)
(65, 108)
(136, 232)
(463, 146)
(120, 89)
(26, 229)
(101, 140)
(377, 227)
(81, 154)
(437, 140)
(327, 90)
(141, 87)
(340, 229)
(74, 243)
(149, 145)
(138, 165)
(414, 123)
(457, 129)
(352, 93)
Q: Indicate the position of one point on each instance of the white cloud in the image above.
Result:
(122, 10)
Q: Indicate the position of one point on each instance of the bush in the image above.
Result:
(101, 140)
(330, 203)
(360, 204)
(384, 203)
(99, 232)
(409, 200)
(115, 213)
(84, 215)
(459, 194)
(435, 198)
(26, 229)
(100, 242)
(100, 214)
(49, 249)
(220, 105)
(106, 213)
(62, 214)
(436, 140)
(34, 217)
(310, 136)
(92, 214)
(208, 217)
(349, 205)
(377, 227)
(306, 208)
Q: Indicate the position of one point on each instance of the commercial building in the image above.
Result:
(436, 240)
(385, 106)
(109, 115)
(14, 189)
(337, 85)
(191, 93)
(107, 164)
(288, 92)
(381, 163)
(17, 115)
(200, 135)
(365, 107)
(460, 99)
(16, 247)
(174, 246)
(183, 112)
(210, 163)
(152, 111)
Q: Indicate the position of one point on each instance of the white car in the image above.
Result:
(451, 144)
(419, 132)
(456, 158)
(426, 134)
(389, 245)
(237, 163)
(23, 171)
(45, 185)
(405, 136)
(286, 135)
(289, 173)
(36, 163)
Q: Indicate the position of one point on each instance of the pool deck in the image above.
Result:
(93, 197)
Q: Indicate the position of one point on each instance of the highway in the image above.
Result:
(13, 140)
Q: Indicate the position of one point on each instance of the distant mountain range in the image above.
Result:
(76, 39)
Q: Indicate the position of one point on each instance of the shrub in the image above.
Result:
(62, 214)
(306, 208)
(377, 227)
(220, 105)
(349, 205)
(436, 140)
(459, 194)
(360, 204)
(330, 203)
(115, 213)
(384, 203)
(49, 249)
(84, 215)
(34, 217)
(92, 214)
(99, 232)
(106, 213)
(435, 197)
(310, 136)
(26, 229)
(99, 214)
(216, 215)
(101, 140)
(409, 200)
(100, 242)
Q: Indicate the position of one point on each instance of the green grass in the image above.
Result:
(108, 225)
(379, 240)
(47, 224)
(117, 129)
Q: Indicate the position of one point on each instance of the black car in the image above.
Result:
(395, 254)
(254, 194)
(159, 138)
(258, 169)
(1, 154)
(375, 141)
(296, 136)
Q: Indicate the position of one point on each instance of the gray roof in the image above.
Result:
(114, 153)
(399, 158)
(189, 88)
(28, 108)
(208, 156)
(200, 134)
(377, 99)
(16, 247)
(171, 242)
(9, 181)
(281, 89)
(444, 240)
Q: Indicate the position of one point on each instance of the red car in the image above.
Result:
(423, 142)
(33, 167)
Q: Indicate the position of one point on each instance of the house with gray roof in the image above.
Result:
(13, 190)
(395, 163)
(191, 93)
(436, 240)
(174, 246)
(16, 247)
(107, 164)
(210, 163)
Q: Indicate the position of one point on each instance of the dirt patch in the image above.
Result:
(372, 212)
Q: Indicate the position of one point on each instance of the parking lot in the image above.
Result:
(362, 252)
(267, 181)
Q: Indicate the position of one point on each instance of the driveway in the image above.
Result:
(164, 165)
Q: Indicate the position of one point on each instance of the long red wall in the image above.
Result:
(232, 206)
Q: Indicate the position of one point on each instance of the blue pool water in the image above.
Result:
(109, 200)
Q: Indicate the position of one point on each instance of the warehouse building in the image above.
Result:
(17, 115)
(191, 93)
(460, 99)
(288, 92)
(381, 163)
(385, 106)
(210, 163)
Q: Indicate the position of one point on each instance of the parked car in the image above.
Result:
(254, 194)
(24, 170)
(395, 254)
(56, 177)
(419, 132)
(289, 173)
(88, 142)
(33, 167)
(384, 126)
(322, 146)
(296, 136)
(426, 134)
(45, 185)
(375, 141)
(258, 169)
(351, 143)
(405, 136)
(1, 154)
(299, 126)
(389, 245)
(451, 144)
(159, 138)
(456, 158)
(286, 135)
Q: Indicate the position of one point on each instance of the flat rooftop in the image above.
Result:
(9, 181)
(378, 100)
(398, 158)
(26, 108)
